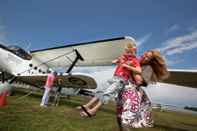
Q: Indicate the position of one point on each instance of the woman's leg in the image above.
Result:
(119, 123)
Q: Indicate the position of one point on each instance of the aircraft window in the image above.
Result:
(35, 68)
(39, 70)
(20, 52)
(30, 65)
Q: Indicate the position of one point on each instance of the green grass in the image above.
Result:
(26, 115)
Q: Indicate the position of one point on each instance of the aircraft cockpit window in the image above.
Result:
(20, 52)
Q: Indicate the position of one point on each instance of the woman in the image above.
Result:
(133, 105)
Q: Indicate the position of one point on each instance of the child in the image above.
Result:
(127, 66)
(136, 77)
(48, 86)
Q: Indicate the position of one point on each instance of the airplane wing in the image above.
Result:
(76, 80)
(94, 53)
(182, 77)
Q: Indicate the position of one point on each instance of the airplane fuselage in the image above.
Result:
(14, 64)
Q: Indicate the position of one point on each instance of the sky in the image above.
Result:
(167, 25)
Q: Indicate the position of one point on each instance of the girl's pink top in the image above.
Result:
(50, 80)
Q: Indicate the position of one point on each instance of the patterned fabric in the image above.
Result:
(134, 108)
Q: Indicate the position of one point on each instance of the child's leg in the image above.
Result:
(96, 107)
(93, 110)
(111, 91)
(91, 102)
(114, 86)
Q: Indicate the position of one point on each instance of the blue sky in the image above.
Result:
(167, 25)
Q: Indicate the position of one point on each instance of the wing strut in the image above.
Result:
(3, 77)
(78, 57)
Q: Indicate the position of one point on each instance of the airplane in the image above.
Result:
(32, 67)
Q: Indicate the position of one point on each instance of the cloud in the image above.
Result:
(172, 28)
(195, 68)
(192, 27)
(174, 61)
(143, 39)
(180, 44)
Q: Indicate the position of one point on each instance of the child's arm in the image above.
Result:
(118, 60)
(131, 67)
(115, 61)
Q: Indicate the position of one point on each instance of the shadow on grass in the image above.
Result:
(168, 128)
(187, 124)
(72, 103)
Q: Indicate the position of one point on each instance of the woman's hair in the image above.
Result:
(158, 65)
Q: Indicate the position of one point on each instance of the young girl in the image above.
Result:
(48, 86)
(127, 67)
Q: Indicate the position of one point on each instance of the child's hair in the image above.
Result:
(131, 44)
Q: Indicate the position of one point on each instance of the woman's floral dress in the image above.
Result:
(134, 108)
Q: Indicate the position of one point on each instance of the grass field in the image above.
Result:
(25, 114)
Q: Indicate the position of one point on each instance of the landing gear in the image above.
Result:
(57, 96)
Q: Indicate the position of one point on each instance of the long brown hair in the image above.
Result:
(158, 65)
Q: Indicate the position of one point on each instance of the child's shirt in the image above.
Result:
(124, 72)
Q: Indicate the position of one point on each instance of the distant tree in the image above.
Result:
(190, 108)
